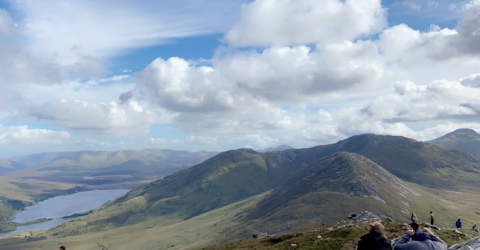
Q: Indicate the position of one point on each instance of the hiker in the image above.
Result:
(431, 218)
(375, 239)
(414, 217)
(422, 240)
(458, 224)
(475, 227)
(63, 248)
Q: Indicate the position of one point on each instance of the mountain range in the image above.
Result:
(280, 191)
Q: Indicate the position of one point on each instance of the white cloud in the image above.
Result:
(404, 43)
(26, 135)
(53, 40)
(93, 118)
(68, 31)
(290, 22)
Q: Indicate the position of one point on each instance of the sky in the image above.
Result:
(214, 75)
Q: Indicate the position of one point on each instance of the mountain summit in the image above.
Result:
(462, 139)
(333, 186)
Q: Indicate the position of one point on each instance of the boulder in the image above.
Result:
(473, 244)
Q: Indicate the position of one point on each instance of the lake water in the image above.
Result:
(60, 206)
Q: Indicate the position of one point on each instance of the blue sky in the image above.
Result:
(98, 75)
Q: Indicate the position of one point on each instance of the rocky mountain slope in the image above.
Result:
(462, 139)
(334, 186)
(344, 235)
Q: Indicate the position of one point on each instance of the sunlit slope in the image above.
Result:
(408, 159)
(226, 178)
(463, 139)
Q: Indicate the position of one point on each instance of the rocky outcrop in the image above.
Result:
(473, 244)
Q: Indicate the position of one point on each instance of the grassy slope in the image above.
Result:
(341, 239)
(345, 182)
(165, 232)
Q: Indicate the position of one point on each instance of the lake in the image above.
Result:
(60, 206)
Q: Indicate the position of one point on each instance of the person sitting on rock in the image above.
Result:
(422, 240)
(458, 224)
(375, 239)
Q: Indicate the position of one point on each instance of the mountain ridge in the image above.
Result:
(467, 140)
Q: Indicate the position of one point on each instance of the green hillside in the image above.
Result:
(462, 139)
(226, 178)
(336, 185)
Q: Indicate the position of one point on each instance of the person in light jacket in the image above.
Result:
(422, 240)
(414, 217)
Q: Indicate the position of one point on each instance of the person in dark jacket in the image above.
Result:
(458, 224)
(375, 239)
(432, 220)
(422, 240)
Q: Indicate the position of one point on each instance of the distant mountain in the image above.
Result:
(36, 160)
(462, 139)
(334, 186)
(9, 165)
(85, 160)
(408, 159)
(279, 148)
